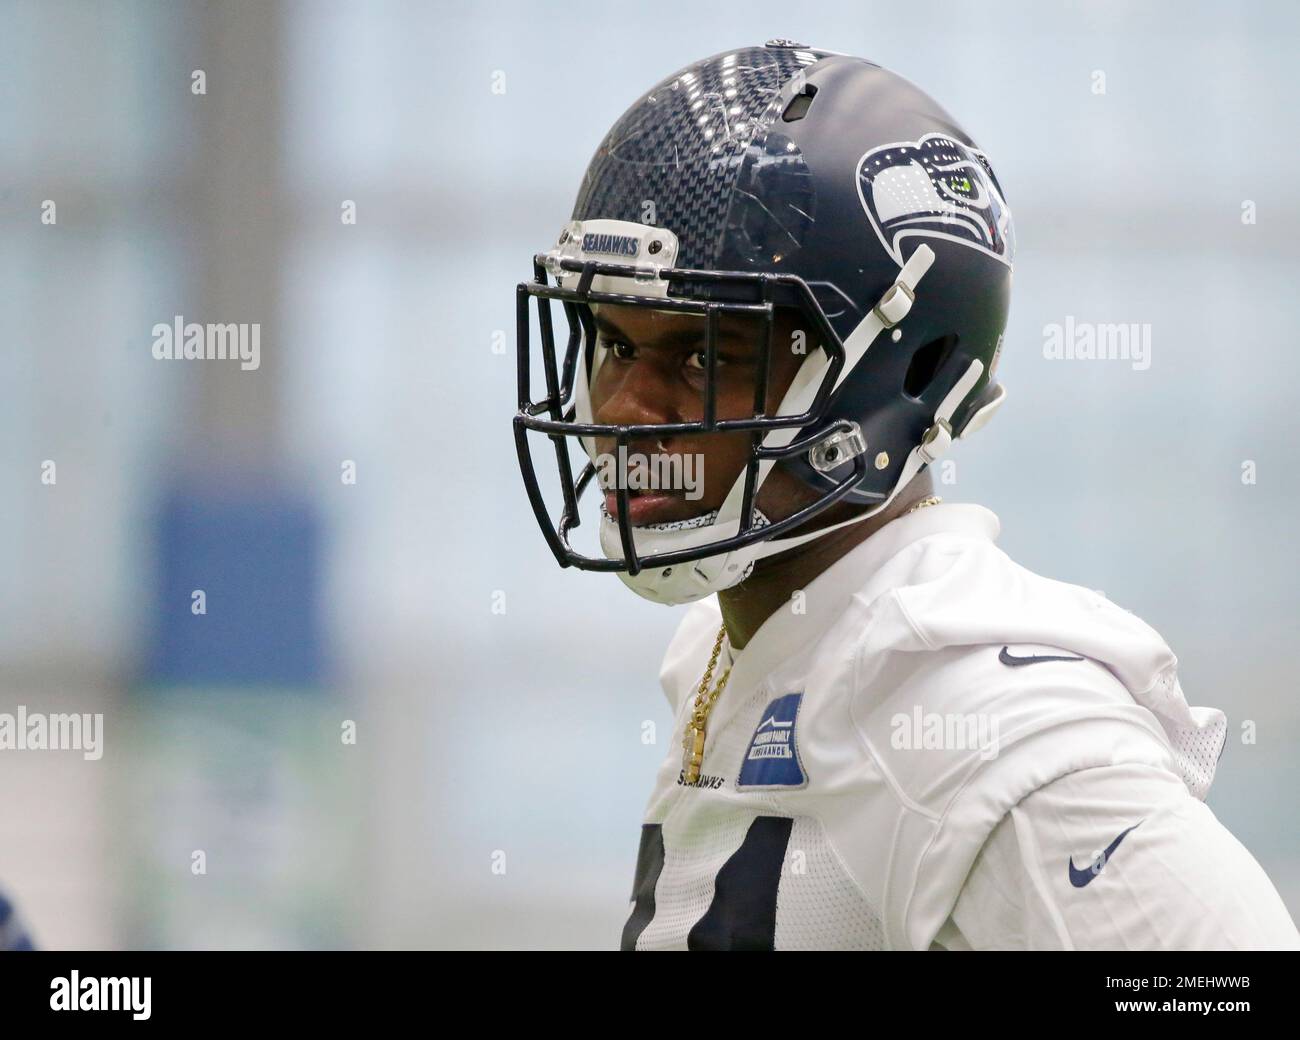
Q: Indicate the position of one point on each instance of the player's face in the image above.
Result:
(654, 372)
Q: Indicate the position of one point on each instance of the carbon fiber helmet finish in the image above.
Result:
(690, 152)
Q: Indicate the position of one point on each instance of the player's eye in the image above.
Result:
(698, 361)
(622, 351)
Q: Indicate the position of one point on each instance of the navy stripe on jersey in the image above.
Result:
(742, 915)
(649, 865)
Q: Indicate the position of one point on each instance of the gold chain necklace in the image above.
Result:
(693, 741)
(697, 724)
(929, 500)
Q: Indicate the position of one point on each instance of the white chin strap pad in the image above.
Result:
(685, 582)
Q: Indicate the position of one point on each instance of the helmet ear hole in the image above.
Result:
(926, 363)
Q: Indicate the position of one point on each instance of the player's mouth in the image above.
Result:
(645, 508)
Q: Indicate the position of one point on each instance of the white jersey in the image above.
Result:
(931, 746)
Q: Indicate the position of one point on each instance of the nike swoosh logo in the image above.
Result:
(1079, 878)
(1016, 662)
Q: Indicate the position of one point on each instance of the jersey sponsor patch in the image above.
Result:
(772, 758)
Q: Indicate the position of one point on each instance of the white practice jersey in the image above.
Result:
(932, 747)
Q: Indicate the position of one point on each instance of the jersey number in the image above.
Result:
(742, 915)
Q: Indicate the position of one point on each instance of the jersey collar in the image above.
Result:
(786, 634)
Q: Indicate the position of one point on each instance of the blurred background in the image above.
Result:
(493, 793)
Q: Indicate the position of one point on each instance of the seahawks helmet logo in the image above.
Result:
(935, 188)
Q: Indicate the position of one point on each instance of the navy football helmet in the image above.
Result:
(766, 177)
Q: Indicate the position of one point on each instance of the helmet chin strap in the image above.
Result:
(686, 582)
(892, 308)
(930, 449)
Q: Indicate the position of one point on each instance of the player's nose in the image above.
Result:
(642, 397)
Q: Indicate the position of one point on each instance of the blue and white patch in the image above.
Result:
(772, 758)
(935, 188)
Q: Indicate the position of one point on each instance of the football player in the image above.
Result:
(786, 280)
